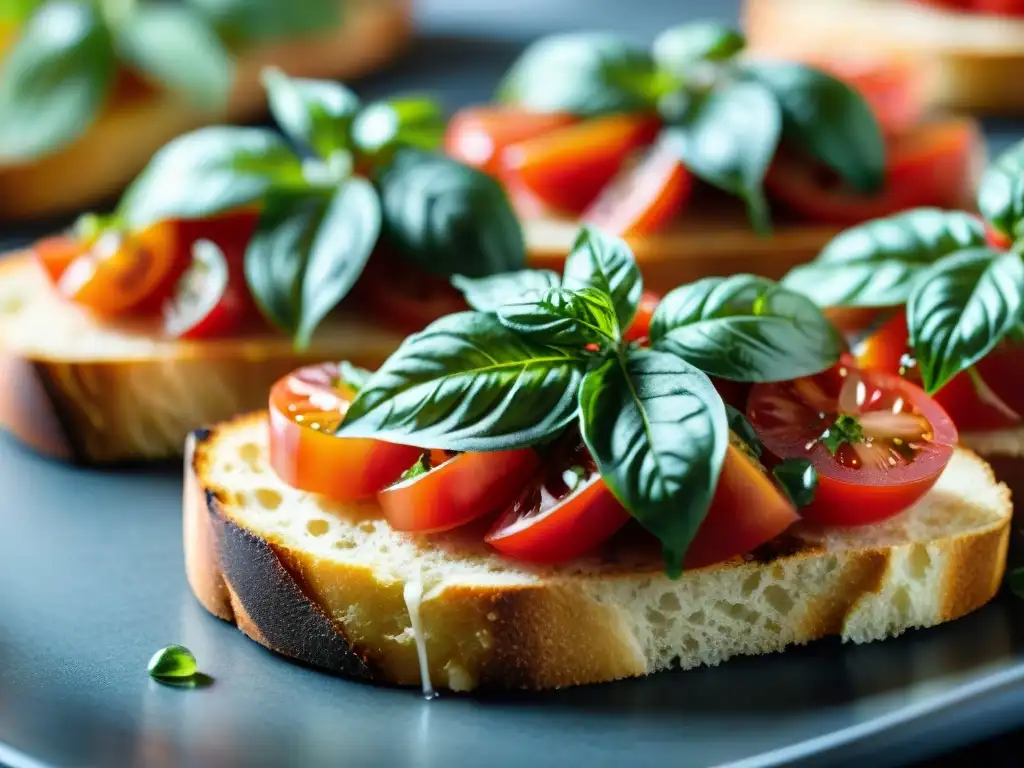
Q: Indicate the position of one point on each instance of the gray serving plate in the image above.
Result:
(91, 584)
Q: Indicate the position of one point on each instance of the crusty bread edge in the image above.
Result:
(545, 635)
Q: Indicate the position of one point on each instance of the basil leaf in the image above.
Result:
(487, 294)
(1001, 192)
(55, 80)
(876, 264)
(448, 218)
(316, 114)
(564, 318)
(586, 73)
(17, 10)
(468, 383)
(354, 376)
(960, 309)
(262, 19)
(745, 328)
(744, 430)
(677, 49)
(605, 262)
(657, 430)
(208, 171)
(828, 119)
(413, 121)
(728, 139)
(174, 45)
(798, 479)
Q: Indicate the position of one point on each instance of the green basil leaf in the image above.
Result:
(605, 262)
(316, 114)
(798, 479)
(1001, 192)
(728, 139)
(448, 218)
(876, 264)
(828, 119)
(413, 121)
(269, 19)
(961, 308)
(586, 73)
(564, 318)
(175, 46)
(55, 80)
(15, 11)
(468, 383)
(739, 424)
(677, 49)
(745, 328)
(657, 430)
(354, 376)
(487, 294)
(209, 171)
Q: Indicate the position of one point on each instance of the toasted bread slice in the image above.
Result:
(132, 128)
(971, 57)
(327, 583)
(79, 390)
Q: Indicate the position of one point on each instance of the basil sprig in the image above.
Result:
(320, 221)
(540, 355)
(724, 117)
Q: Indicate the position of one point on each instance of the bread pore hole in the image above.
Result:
(11, 305)
(778, 598)
(268, 498)
(317, 527)
(751, 583)
(250, 454)
(901, 602)
(669, 601)
(918, 562)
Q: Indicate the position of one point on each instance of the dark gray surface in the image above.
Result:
(91, 583)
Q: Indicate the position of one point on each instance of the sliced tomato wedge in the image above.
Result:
(644, 197)
(641, 326)
(211, 298)
(877, 441)
(478, 135)
(457, 490)
(567, 168)
(933, 165)
(746, 512)
(306, 407)
(404, 297)
(55, 254)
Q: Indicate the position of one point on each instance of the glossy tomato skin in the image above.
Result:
(567, 168)
(211, 299)
(477, 136)
(463, 488)
(641, 326)
(791, 419)
(305, 408)
(930, 166)
(893, 87)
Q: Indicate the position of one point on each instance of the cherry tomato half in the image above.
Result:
(478, 135)
(306, 408)
(458, 490)
(931, 166)
(567, 168)
(877, 441)
(55, 254)
(211, 298)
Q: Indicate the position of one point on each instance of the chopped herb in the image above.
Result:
(742, 428)
(573, 476)
(174, 663)
(798, 479)
(421, 467)
(846, 429)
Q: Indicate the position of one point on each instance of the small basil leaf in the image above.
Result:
(961, 308)
(585, 73)
(798, 479)
(728, 139)
(601, 261)
(744, 430)
(876, 264)
(316, 114)
(487, 294)
(745, 328)
(1001, 192)
(468, 383)
(657, 430)
(448, 218)
(55, 80)
(174, 45)
(354, 376)
(828, 119)
(262, 19)
(564, 318)
(677, 49)
(409, 121)
(209, 171)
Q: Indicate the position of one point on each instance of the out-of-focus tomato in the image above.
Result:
(641, 325)
(894, 88)
(211, 298)
(478, 135)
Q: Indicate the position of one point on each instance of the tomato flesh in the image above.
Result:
(459, 490)
(894, 88)
(211, 298)
(55, 254)
(641, 326)
(902, 441)
(478, 135)
(306, 407)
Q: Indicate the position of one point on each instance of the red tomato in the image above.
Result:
(478, 135)
(746, 511)
(889, 440)
(894, 88)
(306, 408)
(852, 321)
(642, 198)
(641, 325)
(931, 166)
(568, 167)
(999, 7)
(55, 254)
(461, 489)
(405, 297)
(211, 298)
